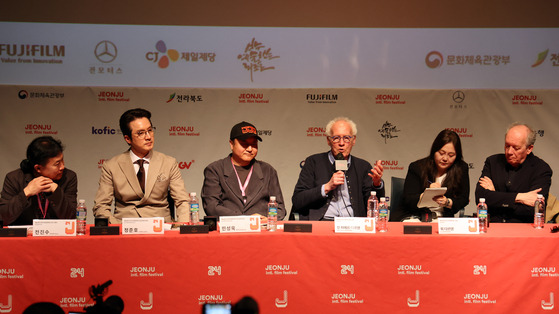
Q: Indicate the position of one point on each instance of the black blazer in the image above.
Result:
(532, 174)
(307, 198)
(414, 186)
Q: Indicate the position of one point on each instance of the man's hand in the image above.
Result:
(487, 183)
(528, 198)
(39, 185)
(263, 219)
(336, 179)
(376, 173)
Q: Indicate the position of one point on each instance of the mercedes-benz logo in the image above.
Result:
(458, 96)
(105, 51)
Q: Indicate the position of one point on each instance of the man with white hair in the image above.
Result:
(322, 193)
(511, 182)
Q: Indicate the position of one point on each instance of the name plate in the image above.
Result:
(54, 227)
(458, 226)
(230, 224)
(152, 225)
(354, 225)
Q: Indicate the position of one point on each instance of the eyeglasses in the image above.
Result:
(142, 134)
(337, 138)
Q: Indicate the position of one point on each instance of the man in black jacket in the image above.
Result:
(511, 182)
(322, 193)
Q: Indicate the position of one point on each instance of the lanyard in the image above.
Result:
(43, 211)
(243, 187)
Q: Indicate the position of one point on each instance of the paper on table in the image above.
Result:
(426, 199)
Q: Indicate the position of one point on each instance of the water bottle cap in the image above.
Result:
(482, 200)
(383, 199)
(540, 196)
(192, 194)
(373, 192)
(81, 201)
(272, 198)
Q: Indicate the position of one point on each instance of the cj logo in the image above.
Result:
(548, 305)
(280, 304)
(8, 307)
(414, 303)
(347, 269)
(105, 51)
(74, 272)
(480, 269)
(212, 270)
(146, 306)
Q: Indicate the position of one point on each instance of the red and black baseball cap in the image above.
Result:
(244, 130)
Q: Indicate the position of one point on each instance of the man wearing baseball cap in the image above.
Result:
(239, 184)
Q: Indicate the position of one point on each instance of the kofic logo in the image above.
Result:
(168, 54)
(347, 269)
(106, 130)
(458, 96)
(387, 131)
(282, 303)
(8, 307)
(434, 59)
(541, 58)
(212, 270)
(146, 306)
(23, 94)
(254, 55)
(480, 269)
(105, 51)
(74, 272)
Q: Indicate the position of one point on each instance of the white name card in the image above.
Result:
(153, 225)
(229, 224)
(458, 225)
(354, 225)
(54, 227)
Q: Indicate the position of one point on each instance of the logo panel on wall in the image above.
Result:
(183, 130)
(24, 94)
(257, 58)
(322, 98)
(105, 53)
(40, 129)
(105, 130)
(119, 96)
(527, 100)
(253, 98)
(184, 98)
(390, 99)
(541, 57)
(318, 131)
(435, 59)
(462, 132)
(391, 165)
(458, 98)
(388, 131)
(164, 56)
(32, 54)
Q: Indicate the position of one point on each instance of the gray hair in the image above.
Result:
(530, 137)
(345, 119)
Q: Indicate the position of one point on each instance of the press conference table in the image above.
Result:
(511, 269)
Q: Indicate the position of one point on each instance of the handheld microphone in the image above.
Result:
(340, 162)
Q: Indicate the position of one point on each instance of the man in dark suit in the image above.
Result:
(321, 193)
(239, 184)
(511, 182)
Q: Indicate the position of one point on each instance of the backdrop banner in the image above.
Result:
(396, 126)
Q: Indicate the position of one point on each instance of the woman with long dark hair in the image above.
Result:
(42, 188)
(444, 167)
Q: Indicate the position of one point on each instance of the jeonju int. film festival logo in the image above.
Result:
(255, 58)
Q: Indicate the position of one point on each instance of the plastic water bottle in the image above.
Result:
(382, 215)
(272, 214)
(372, 206)
(81, 215)
(194, 209)
(482, 215)
(539, 210)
